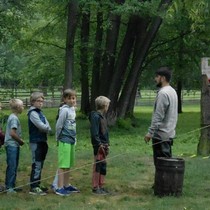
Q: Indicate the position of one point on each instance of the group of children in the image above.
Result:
(39, 127)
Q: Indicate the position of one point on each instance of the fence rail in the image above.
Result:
(53, 97)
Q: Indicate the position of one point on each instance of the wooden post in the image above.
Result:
(204, 141)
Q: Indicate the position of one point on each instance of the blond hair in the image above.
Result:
(15, 104)
(35, 96)
(101, 102)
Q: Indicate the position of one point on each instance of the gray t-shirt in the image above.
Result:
(12, 122)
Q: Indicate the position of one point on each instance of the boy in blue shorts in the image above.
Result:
(66, 137)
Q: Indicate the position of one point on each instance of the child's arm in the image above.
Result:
(63, 115)
(14, 135)
(34, 117)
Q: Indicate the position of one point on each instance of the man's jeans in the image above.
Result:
(12, 165)
(161, 148)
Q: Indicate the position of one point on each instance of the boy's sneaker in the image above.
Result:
(71, 189)
(2, 188)
(99, 191)
(37, 191)
(62, 192)
(104, 190)
(43, 188)
(11, 191)
(53, 188)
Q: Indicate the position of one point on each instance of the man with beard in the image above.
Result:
(164, 118)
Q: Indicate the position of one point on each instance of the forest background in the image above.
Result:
(104, 47)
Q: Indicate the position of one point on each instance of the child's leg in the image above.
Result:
(102, 174)
(60, 178)
(12, 165)
(39, 151)
(66, 177)
(95, 174)
(101, 180)
(55, 181)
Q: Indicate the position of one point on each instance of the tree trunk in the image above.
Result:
(140, 35)
(110, 51)
(85, 103)
(204, 141)
(136, 68)
(97, 59)
(139, 59)
(179, 95)
(131, 105)
(120, 68)
(73, 14)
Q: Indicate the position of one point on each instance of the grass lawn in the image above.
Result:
(130, 169)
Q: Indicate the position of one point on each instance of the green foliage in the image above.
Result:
(140, 8)
(181, 43)
(124, 123)
(33, 33)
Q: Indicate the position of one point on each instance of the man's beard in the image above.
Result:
(159, 84)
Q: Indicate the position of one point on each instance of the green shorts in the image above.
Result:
(66, 155)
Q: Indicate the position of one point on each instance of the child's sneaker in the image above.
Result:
(11, 191)
(105, 190)
(43, 188)
(2, 188)
(71, 189)
(37, 191)
(98, 191)
(53, 188)
(62, 192)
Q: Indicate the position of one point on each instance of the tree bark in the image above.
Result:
(110, 51)
(204, 141)
(136, 68)
(73, 14)
(120, 68)
(85, 103)
(138, 62)
(179, 95)
(97, 59)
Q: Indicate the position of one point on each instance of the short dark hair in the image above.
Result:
(69, 93)
(164, 71)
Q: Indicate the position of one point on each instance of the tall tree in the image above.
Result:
(204, 141)
(73, 15)
(139, 59)
(85, 28)
(97, 56)
(109, 56)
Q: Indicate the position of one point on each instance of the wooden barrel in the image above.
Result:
(169, 176)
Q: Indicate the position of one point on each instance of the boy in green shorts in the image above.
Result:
(66, 137)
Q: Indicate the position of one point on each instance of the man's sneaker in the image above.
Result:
(62, 192)
(37, 191)
(71, 189)
(99, 191)
(11, 191)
